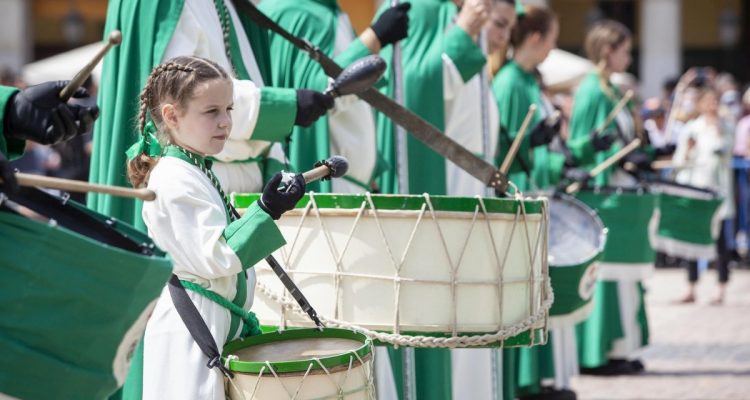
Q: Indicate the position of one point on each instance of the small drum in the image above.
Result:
(76, 291)
(301, 364)
(687, 222)
(627, 213)
(576, 242)
(438, 266)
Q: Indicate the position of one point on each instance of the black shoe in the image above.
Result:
(611, 368)
(549, 393)
(637, 366)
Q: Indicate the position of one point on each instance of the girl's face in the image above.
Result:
(204, 124)
(502, 19)
(619, 59)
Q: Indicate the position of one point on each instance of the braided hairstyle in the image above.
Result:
(603, 38)
(171, 82)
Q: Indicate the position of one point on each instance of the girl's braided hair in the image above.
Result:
(173, 81)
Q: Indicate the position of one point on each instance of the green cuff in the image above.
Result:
(278, 109)
(556, 163)
(352, 53)
(11, 148)
(254, 236)
(464, 52)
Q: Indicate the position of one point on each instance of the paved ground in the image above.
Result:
(697, 351)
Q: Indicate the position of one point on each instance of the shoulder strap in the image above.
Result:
(196, 325)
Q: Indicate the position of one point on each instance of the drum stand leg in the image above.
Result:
(409, 373)
(497, 374)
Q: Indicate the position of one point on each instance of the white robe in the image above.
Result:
(187, 220)
(198, 32)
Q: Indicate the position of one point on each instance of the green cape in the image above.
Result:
(316, 21)
(430, 36)
(515, 90)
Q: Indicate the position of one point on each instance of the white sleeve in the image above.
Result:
(452, 80)
(190, 38)
(186, 223)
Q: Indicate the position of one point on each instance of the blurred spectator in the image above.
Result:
(654, 122)
(8, 77)
(37, 159)
(729, 99)
(704, 150)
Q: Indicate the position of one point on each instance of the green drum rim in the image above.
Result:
(256, 367)
(405, 202)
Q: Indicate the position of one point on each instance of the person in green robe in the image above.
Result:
(348, 129)
(154, 31)
(535, 167)
(439, 56)
(441, 42)
(608, 46)
(516, 88)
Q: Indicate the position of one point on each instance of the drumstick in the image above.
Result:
(576, 186)
(505, 166)
(667, 164)
(81, 186)
(613, 114)
(115, 37)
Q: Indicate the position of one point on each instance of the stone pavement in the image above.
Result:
(697, 351)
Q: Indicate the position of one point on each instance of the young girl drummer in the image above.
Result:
(189, 100)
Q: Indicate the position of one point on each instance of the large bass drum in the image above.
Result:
(686, 221)
(76, 290)
(422, 271)
(576, 242)
(628, 214)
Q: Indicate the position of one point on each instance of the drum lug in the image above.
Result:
(64, 197)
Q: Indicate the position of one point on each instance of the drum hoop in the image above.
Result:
(298, 366)
(603, 230)
(406, 203)
(691, 192)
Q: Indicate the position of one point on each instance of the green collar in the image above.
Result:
(176, 151)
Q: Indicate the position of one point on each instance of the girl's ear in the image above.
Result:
(169, 115)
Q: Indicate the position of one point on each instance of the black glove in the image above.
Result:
(665, 151)
(576, 175)
(544, 131)
(37, 113)
(602, 141)
(9, 184)
(276, 202)
(392, 25)
(311, 105)
(639, 159)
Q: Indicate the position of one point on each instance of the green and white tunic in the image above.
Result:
(349, 128)
(189, 219)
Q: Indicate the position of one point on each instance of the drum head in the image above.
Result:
(576, 234)
(292, 351)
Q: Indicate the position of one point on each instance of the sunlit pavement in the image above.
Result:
(697, 351)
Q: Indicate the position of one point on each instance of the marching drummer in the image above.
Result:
(516, 88)
(190, 101)
(603, 350)
(37, 114)
(349, 128)
(205, 28)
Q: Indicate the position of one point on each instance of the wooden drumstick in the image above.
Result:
(115, 37)
(81, 186)
(613, 114)
(576, 186)
(505, 166)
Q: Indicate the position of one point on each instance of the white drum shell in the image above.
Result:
(460, 270)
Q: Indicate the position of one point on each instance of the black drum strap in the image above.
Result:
(196, 325)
